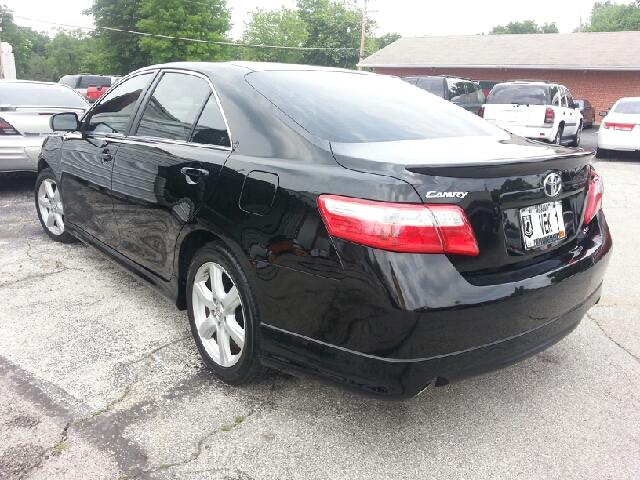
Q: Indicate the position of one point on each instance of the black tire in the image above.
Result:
(575, 141)
(247, 366)
(55, 209)
(558, 139)
(602, 153)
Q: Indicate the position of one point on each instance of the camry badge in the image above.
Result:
(434, 194)
(552, 185)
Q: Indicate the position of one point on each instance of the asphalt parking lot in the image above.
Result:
(100, 379)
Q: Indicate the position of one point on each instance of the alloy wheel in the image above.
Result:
(218, 314)
(50, 205)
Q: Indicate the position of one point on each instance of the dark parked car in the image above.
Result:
(336, 223)
(459, 91)
(587, 111)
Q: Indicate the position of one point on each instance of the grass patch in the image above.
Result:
(59, 448)
(239, 419)
(226, 428)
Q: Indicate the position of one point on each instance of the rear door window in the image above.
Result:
(174, 107)
(472, 92)
(211, 128)
(114, 110)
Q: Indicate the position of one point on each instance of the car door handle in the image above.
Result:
(105, 157)
(190, 172)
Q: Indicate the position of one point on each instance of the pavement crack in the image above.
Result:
(606, 334)
(199, 446)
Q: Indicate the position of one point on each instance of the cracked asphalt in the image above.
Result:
(100, 380)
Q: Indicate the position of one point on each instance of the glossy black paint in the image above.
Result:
(383, 322)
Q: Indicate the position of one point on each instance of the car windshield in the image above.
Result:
(354, 108)
(579, 102)
(39, 95)
(519, 94)
(628, 106)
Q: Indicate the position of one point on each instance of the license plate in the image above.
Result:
(542, 224)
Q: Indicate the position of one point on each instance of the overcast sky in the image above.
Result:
(407, 17)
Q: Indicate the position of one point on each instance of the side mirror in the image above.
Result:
(64, 122)
(603, 114)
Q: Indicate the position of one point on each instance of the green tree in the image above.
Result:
(333, 24)
(526, 26)
(276, 27)
(121, 52)
(207, 20)
(67, 52)
(386, 39)
(612, 17)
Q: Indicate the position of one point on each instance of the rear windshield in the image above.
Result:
(628, 106)
(353, 108)
(520, 94)
(579, 102)
(39, 95)
(94, 81)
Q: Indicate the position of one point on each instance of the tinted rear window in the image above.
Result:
(94, 81)
(41, 95)
(522, 94)
(628, 106)
(432, 85)
(351, 108)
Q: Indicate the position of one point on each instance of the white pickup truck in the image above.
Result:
(538, 110)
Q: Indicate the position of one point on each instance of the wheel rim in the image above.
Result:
(578, 136)
(50, 205)
(219, 314)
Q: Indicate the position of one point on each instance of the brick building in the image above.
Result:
(599, 67)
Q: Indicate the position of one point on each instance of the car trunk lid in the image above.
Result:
(500, 184)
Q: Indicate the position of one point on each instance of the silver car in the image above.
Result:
(25, 110)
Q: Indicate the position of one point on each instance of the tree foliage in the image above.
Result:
(276, 27)
(526, 26)
(207, 20)
(612, 17)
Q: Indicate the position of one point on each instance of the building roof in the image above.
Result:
(568, 51)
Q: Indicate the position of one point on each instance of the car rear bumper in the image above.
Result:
(609, 139)
(20, 154)
(535, 132)
(395, 339)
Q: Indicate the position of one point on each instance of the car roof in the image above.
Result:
(632, 99)
(29, 81)
(212, 67)
(542, 83)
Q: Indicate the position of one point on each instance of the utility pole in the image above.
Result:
(364, 28)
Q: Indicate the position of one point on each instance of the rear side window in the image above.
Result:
(519, 94)
(87, 81)
(174, 106)
(472, 92)
(457, 93)
(554, 94)
(433, 85)
(211, 129)
(114, 110)
(351, 107)
(628, 106)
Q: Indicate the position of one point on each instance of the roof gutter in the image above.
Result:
(506, 67)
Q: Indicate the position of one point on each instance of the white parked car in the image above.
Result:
(25, 110)
(535, 109)
(620, 129)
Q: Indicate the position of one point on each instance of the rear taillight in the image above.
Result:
(626, 127)
(594, 197)
(481, 112)
(6, 128)
(549, 115)
(399, 227)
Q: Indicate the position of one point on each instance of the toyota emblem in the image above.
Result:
(552, 185)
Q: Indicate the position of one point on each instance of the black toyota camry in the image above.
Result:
(335, 223)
